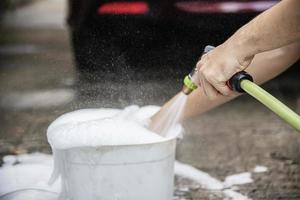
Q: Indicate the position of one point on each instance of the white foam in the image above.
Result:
(102, 127)
(30, 171)
(238, 179)
(260, 169)
(203, 178)
(207, 181)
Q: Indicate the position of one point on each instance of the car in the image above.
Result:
(161, 38)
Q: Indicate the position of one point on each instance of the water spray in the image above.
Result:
(242, 82)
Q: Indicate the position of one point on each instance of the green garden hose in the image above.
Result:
(242, 82)
(272, 103)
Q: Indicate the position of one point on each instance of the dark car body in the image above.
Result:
(166, 36)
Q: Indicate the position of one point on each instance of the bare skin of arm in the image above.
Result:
(274, 28)
(264, 67)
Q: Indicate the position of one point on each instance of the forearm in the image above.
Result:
(264, 67)
(274, 28)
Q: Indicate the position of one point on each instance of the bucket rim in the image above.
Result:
(166, 140)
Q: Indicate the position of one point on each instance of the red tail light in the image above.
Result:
(126, 8)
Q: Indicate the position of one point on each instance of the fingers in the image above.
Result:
(212, 81)
(218, 82)
(211, 85)
(208, 89)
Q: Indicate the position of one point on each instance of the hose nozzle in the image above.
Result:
(189, 84)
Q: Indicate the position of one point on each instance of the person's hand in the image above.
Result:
(217, 66)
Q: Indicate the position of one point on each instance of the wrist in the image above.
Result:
(244, 44)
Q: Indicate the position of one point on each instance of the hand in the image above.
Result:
(217, 66)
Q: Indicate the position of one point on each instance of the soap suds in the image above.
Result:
(260, 169)
(26, 171)
(238, 179)
(207, 181)
(102, 127)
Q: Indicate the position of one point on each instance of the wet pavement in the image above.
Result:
(39, 82)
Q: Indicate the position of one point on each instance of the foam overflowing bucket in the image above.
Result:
(142, 170)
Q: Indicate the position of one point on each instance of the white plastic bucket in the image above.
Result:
(127, 172)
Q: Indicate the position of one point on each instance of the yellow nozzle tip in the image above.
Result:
(189, 83)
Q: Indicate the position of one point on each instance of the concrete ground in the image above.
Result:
(38, 82)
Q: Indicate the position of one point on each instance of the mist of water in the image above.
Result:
(171, 117)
